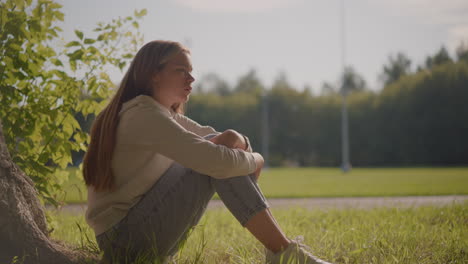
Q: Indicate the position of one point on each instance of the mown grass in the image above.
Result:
(331, 182)
(384, 235)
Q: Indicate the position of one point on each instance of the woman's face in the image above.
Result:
(172, 85)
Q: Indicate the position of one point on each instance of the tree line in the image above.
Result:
(419, 118)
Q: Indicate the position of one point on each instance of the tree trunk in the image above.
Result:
(23, 227)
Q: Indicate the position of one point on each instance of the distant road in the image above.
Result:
(335, 203)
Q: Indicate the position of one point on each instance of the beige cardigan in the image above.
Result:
(149, 138)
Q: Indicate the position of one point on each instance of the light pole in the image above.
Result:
(345, 163)
(265, 128)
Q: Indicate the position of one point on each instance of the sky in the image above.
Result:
(300, 38)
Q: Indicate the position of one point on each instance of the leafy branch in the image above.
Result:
(44, 88)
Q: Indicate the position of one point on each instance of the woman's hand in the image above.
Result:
(231, 139)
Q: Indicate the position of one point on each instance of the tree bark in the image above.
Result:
(23, 227)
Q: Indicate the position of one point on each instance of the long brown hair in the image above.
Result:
(149, 60)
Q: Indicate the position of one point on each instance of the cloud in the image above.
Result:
(236, 6)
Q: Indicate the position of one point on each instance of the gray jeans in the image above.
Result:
(157, 225)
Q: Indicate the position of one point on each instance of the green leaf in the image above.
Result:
(122, 64)
(56, 62)
(15, 47)
(140, 13)
(54, 5)
(34, 26)
(79, 34)
(59, 16)
(128, 56)
(77, 54)
(89, 41)
(73, 65)
(73, 44)
(102, 36)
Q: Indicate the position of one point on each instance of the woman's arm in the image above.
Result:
(193, 126)
(148, 129)
(229, 138)
(240, 141)
(232, 139)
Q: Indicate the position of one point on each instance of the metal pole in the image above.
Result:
(345, 165)
(265, 129)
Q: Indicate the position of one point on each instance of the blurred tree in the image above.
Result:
(462, 52)
(250, 83)
(213, 83)
(404, 124)
(351, 81)
(397, 66)
(281, 82)
(307, 90)
(441, 57)
(328, 89)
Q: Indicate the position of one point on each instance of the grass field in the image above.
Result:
(331, 182)
(426, 235)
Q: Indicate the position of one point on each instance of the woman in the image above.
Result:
(151, 171)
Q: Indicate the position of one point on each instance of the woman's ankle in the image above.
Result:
(280, 247)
